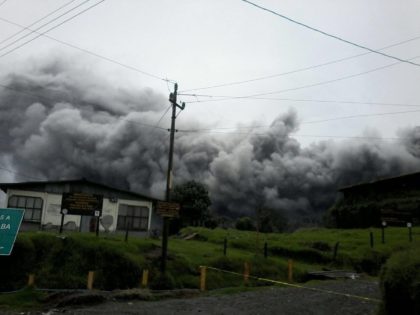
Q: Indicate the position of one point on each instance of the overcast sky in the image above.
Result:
(200, 43)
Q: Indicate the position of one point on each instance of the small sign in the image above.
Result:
(64, 211)
(10, 220)
(168, 209)
(82, 203)
(97, 213)
(383, 223)
(409, 225)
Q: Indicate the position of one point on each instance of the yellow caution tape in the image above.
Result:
(300, 286)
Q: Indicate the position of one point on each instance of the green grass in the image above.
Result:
(60, 263)
(24, 300)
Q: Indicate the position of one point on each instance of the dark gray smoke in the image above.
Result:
(79, 125)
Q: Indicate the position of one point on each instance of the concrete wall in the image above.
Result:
(51, 210)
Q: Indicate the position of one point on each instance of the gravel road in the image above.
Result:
(272, 300)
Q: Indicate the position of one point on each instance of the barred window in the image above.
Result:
(135, 218)
(32, 206)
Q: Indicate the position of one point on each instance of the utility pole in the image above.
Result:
(165, 234)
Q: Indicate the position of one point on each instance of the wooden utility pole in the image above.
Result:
(165, 233)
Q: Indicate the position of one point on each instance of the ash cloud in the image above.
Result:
(80, 125)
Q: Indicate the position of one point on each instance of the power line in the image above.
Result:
(94, 54)
(305, 122)
(4, 1)
(224, 98)
(50, 29)
(19, 174)
(300, 100)
(330, 35)
(37, 21)
(163, 115)
(299, 135)
(296, 70)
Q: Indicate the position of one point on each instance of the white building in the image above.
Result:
(121, 209)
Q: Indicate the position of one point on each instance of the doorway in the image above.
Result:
(87, 223)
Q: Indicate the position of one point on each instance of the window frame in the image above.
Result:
(22, 202)
(132, 213)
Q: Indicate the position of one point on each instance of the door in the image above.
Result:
(87, 224)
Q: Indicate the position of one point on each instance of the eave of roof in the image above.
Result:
(381, 180)
(5, 186)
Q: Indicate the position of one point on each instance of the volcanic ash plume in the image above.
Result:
(59, 121)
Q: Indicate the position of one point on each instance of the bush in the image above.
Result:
(63, 263)
(14, 269)
(245, 224)
(162, 281)
(400, 283)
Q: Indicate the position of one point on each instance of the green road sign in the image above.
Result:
(10, 220)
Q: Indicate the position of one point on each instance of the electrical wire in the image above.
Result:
(301, 100)
(94, 54)
(19, 174)
(296, 70)
(329, 34)
(298, 135)
(224, 98)
(52, 28)
(163, 115)
(4, 1)
(305, 122)
(37, 21)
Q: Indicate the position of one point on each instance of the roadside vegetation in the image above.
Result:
(63, 261)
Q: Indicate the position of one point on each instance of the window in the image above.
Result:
(134, 218)
(32, 206)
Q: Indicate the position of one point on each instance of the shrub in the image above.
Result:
(162, 281)
(245, 224)
(400, 283)
(14, 269)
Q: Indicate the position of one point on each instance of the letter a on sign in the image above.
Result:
(10, 220)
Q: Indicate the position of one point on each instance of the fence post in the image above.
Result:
(265, 250)
(246, 273)
(203, 278)
(145, 278)
(371, 239)
(410, 233)
(31, 280)
(290, 270)
(224, 246)
(90, 278)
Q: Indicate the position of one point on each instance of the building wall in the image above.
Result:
(51, 210)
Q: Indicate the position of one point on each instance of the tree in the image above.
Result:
(195, 202)
(270, 220)
(245, 224)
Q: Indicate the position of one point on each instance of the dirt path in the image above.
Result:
(273, 300)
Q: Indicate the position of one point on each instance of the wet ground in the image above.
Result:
(272, 300)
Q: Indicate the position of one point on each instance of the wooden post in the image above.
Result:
(90, 278)
(246, 273)
(224, 247)
(290, 270)
(145, 278)
(203, 270)
(31, 280)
